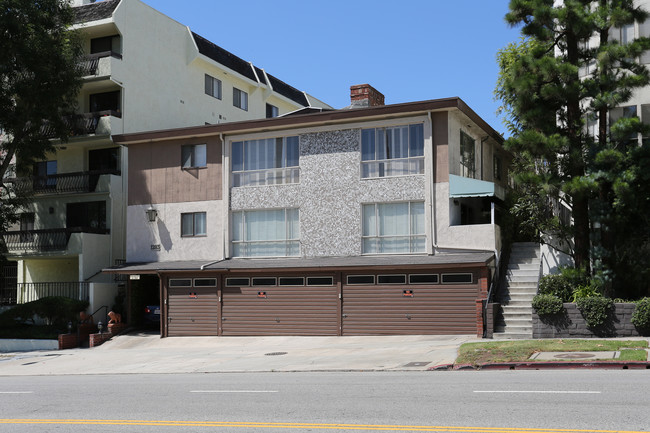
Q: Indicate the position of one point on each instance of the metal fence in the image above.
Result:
(27, 292)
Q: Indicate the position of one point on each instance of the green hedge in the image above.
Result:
(595, 309)
(547, 305)
(56, 310)
(641, 316)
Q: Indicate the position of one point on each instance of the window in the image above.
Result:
(644, 32)
(391, 279)
(395, 151)
(457, 278)
(236, 282)
(270, 161)
(361, 279)
(205, 282)
(291, 281)
(107, 101)
(393, 228)
(193, 156)
(44, 176)
(264, 281)
(497, 167)
(90, 214)
(104, 159)
(26, 225)
(272, 111)
(193, 224)
(105, 44)
(240, 99)
(423, 279)
(467, 155)
(320, 281)
(180, 282)
(212, 86)
(266, 233)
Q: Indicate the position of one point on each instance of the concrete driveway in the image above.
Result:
(148, 353)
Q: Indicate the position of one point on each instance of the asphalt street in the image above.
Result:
(503, 401)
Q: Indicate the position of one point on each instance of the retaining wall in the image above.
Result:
(571, 324)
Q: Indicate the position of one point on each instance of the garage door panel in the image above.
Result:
(391, 310)
(280, 311)
(192, 311)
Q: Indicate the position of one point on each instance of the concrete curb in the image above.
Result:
(563, 365)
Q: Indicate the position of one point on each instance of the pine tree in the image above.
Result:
(572, 74)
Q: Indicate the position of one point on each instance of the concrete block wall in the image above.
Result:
(572, 325)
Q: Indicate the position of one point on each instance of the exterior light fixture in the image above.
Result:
(69, 327)
(151, 214)
(100, 326)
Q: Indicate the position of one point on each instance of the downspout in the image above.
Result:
(225, 196)
(434, 235)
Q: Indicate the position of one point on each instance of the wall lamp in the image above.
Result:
(151, 214)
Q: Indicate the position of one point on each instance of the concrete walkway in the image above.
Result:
(148, 353)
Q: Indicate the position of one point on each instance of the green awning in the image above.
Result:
(466, 187)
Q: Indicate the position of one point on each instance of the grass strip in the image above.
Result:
(522, 350)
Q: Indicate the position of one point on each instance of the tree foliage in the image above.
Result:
(40, 78)
(557, 86)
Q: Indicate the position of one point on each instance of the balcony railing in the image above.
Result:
(90, 63)
(63, 183)
(48, 240)
(27, 292)
(82, 124)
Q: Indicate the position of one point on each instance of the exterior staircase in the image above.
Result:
(521, 283)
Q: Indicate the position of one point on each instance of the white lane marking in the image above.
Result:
(541, 392)
(16, 392)
(229, 391)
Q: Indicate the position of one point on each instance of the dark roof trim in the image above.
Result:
(95, 11)
(241, 66)
(325, 263)
(314, 119)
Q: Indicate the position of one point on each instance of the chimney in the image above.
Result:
(364, 95)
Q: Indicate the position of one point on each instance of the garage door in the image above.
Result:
(266, 308)
(375, 308)
(192, 311)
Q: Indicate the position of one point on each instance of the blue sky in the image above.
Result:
(410, 50)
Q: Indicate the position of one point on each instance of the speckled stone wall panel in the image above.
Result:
(330, 193)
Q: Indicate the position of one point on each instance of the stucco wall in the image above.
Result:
(166, 232)
(51, 270)
(330, 193)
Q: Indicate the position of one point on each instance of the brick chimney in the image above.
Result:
(364, 95)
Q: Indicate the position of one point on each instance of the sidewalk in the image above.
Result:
(148, 353)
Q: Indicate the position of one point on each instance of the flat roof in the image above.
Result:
(481, 258)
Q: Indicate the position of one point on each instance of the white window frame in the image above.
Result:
(376, 161)
(285, 170)
(239, 99)
(213, 86)
(373, 242)
(198, 156)
(243, 246)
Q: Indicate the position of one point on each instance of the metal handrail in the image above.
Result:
(105, 307)
(494, 284)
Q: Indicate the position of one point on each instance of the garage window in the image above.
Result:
(320, 281)
(205, 282)
(361, 279)
(264, 281)
(391, 279)
(180, 282)
(423, 279)
(238, 282)
(291, 281)
(457, 278)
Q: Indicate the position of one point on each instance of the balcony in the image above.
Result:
(44, 241)
(63, 183)
(98, 64)
(97, 122)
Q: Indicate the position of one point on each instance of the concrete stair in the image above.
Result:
(522, 278)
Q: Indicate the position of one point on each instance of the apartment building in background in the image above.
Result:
(143, 71)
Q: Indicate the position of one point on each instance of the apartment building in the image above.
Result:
(143, 71)
(373, 219)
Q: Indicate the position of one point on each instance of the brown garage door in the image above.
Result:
(192, 311)
(275, 310)
(408, 309)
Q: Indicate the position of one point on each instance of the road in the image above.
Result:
(499, 401)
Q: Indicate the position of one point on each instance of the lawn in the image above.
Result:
(522, 350)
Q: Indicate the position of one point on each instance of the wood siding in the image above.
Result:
(284, 311)
(156, 176)
(192, 311)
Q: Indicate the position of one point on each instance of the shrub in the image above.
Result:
(586, 291)
(595, 309)
(547, 305)
(641, 316)
(56, 310)
(563, 284)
